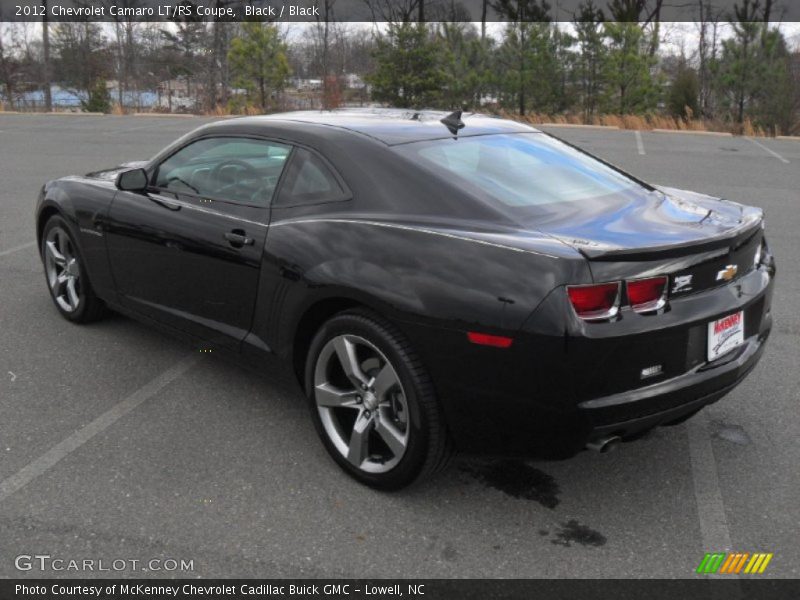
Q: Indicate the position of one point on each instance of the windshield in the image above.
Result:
(520, 170)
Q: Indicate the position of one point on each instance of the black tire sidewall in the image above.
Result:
(410, 466)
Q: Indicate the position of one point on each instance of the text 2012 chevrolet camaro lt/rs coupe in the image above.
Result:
(436, 282)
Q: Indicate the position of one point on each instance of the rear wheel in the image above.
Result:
(373, 404)
(66, 276)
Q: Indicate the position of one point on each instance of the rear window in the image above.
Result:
(520, 170)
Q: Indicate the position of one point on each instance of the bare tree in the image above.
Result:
(126, 48)
(46, 73)
(9, 65)
(707, 52)
(323, 31)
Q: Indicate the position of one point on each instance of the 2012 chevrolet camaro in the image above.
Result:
(436, 282)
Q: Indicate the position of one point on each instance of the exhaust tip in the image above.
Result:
(604, 444)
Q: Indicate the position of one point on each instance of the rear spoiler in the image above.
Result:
(751, 224)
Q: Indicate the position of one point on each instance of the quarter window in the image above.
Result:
(236, 170)
(309, 181)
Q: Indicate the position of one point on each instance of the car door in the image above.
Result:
(187, 252)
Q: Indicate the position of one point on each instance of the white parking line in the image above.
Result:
(768, 151)
(47, 460)
(17, 248)
(639, 143)
(710, 510)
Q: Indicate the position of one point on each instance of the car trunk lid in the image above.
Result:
(699, 241)
(645, 225)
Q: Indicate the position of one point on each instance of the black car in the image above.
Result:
(437, 282)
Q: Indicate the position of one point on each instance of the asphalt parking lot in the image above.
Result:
(119, 443)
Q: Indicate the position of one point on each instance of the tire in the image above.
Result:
(66, 275)
(383, 395)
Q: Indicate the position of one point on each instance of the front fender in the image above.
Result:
(82, 203)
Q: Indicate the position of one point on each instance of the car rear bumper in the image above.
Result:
(628, 414)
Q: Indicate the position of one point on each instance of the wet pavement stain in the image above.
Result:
(517, 479)
(449, 553)
(572, 532)
(730, 433)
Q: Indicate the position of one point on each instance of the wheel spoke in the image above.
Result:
(331, 397)
(62, 246)
(57, 257)
(72, 293)
(60, 282)
(346, 352)
(390, 435)
(385, 380)
(358, 449)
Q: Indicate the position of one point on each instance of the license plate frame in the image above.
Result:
(725, 334)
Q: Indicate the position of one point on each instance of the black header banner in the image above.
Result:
(370, 10)
(383, 589)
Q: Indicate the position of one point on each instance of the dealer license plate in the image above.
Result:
(725, 334)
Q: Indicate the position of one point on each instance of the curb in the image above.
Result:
(163, 115)
(790, 138)
(692, 132)
(53, 114)
(577, 125)
(73, 114)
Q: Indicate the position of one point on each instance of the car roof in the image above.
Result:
(393, 126)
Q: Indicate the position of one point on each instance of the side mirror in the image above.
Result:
(134, 180)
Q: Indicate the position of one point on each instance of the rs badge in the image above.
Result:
(682, 283)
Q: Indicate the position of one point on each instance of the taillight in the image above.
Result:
(646, 295)
(595, 302)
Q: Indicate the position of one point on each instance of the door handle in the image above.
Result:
(238, 238)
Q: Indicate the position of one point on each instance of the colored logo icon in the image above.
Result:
(734, 563)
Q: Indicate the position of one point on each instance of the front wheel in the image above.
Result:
(373, 404)
(66, 275)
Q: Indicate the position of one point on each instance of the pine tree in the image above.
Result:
(407, 67)
(591, 56)
(258, 61)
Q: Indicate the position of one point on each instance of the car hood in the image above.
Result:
(640, 223)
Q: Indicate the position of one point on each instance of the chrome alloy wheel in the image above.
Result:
(63, 270)
(361, 403)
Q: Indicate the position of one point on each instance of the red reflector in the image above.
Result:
(591, 302)
(484, 339)
(647, 294)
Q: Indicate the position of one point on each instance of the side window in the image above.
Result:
(309, 181)
(229, 169)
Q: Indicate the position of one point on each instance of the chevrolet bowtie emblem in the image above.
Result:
(727, 273)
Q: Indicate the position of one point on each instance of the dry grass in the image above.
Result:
(117, 110)
(641, 122)
(219, 111)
